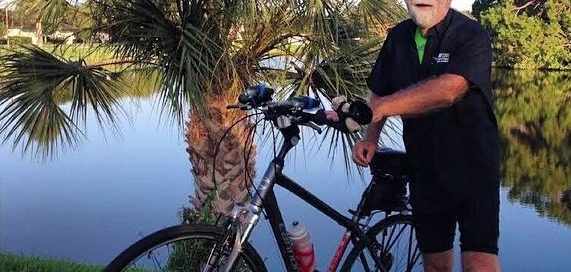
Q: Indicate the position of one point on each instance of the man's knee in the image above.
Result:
(438, 262)
(479, 261)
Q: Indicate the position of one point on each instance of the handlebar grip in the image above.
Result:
(321, 119)
(360, 112)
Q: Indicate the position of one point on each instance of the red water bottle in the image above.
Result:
(302, 247)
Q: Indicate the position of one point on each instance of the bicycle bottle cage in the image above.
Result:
(387, 190)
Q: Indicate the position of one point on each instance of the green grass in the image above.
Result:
(16, 263)
(91, 54)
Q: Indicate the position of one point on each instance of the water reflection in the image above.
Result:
(535, 126)
(45, 128)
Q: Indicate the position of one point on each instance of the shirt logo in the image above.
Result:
(442, 58)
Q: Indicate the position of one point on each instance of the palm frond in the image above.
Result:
(331, 61)
(46, 99)
(53, 11)
(379, 15)
(178, 40)
(50, 12)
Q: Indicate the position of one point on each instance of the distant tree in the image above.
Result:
(46, 14)
(531, 7)
(3, 30)
(480, 6)
(49, 15)
(529, 34)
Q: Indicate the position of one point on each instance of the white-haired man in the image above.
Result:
(434, 71)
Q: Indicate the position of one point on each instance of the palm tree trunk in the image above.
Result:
(39, 33)
(222, 176)
(7, 25)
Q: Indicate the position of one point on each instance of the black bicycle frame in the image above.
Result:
(274, 214)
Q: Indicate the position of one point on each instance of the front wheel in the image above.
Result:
(185, 248)
(395, 244)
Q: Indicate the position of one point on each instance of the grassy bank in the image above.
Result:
(91, 54)
(15, 263)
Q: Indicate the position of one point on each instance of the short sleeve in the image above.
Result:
(379, 81)
(472, 59)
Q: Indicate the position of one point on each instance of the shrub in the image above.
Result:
(20, 40)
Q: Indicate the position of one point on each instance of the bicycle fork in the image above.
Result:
(241, 223)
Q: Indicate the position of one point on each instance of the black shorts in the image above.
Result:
(477, 218)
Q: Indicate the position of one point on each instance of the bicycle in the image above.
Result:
(376, 247)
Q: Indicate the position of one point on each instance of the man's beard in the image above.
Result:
(423, 19)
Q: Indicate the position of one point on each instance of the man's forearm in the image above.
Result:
(427, 96)
(374, 130)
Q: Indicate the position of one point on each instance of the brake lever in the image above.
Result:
(313, 126)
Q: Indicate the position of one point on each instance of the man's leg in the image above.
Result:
(438, 262)
(435, 236)
(478, 261)
(479, 232)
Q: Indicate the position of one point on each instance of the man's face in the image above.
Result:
(427, 13)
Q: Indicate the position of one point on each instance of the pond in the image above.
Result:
(90, 203)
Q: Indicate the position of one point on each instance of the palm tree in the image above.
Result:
(206, 52)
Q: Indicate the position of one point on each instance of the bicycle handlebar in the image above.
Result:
(303, 110)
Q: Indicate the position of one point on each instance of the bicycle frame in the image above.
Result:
(265, 199)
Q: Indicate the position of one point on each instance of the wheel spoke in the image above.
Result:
(395, 240)
(397, 248)
(364, 261)
(184, 248)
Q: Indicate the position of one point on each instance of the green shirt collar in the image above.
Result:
(420, 44)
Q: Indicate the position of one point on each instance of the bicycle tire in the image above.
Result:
(359, 258)
(185, 236)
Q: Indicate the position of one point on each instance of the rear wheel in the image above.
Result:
(395, 244)
(185, 248)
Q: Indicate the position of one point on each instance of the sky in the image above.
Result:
(462, 5)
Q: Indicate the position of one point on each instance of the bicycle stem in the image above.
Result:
(291, 138)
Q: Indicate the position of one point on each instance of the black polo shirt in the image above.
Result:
(453, 151)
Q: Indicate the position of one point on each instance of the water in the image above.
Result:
(89, 204)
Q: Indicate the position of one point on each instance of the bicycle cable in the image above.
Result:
(217, 148)
(248, 181)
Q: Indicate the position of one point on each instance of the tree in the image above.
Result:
(530, 34)
(48, 15)
(480, 6)
(206, 53)
(45, 13)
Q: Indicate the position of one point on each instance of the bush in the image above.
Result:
(17, 40)
(524, 41)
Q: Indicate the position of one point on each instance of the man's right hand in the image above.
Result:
(363, 152)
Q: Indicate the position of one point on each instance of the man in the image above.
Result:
(434, 71)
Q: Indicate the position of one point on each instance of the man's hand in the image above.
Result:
(363, 152)
(332, 115)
